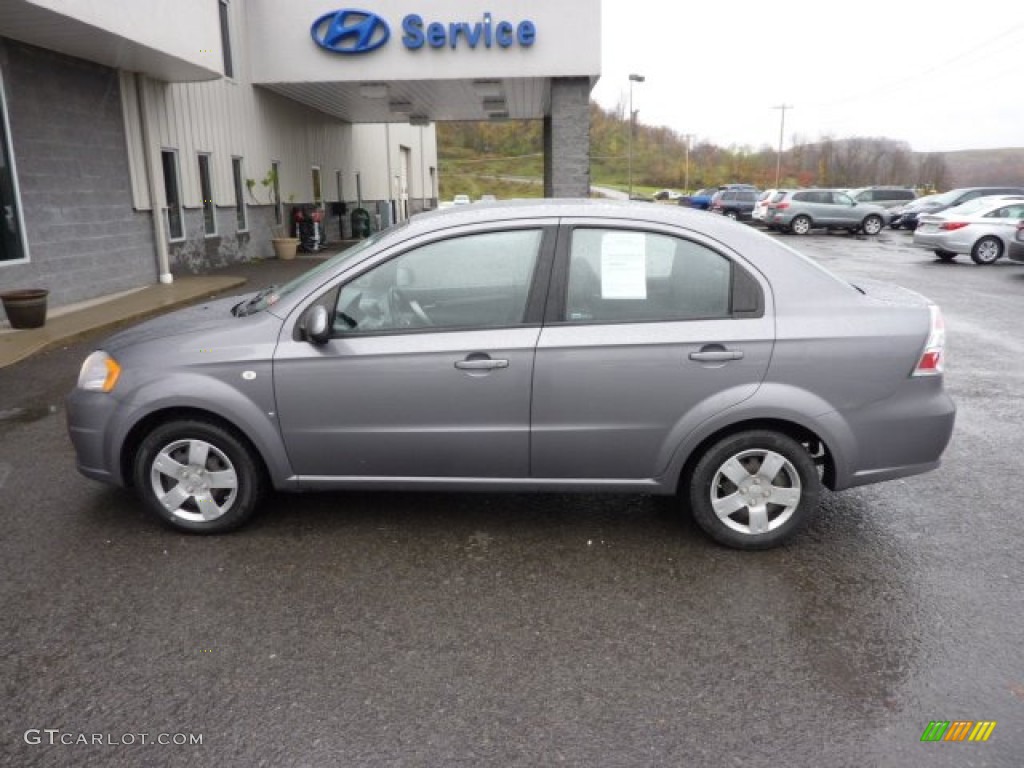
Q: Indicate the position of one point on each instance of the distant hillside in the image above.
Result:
(506, 159)
(974, 167)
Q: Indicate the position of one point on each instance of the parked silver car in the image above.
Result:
(983, 227)
(887, 197)
(800, 211)
(533, 346)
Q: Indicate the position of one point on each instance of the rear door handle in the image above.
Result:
(480, 364)
(719, 355)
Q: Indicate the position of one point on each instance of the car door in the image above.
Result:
(843, 210)
(429, 366)
(648, 333)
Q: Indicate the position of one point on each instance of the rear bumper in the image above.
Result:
(900, 436)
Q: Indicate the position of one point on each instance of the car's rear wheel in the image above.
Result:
(198, 477)
(731, 215)
(801, 225)
(945, 255)
(871, 225)
(754, 490)
(988, 250)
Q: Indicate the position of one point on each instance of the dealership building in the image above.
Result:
(139, 140)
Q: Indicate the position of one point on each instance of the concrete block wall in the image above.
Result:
(67, 133)
(567, 139)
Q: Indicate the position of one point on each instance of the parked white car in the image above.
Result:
(761, 206)
(983, 228)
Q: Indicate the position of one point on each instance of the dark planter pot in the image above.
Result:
(26, 308)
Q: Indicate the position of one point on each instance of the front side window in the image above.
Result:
(206, 191)
(627, 276)
(474, 281)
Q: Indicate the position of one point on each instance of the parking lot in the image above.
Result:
(519, 630)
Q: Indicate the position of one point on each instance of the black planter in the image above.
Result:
(26, 308)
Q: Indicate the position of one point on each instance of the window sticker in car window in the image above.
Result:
(623, 266)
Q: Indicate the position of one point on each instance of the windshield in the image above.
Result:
(946, 198)
(270, 296)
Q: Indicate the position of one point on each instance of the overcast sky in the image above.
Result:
(939, 75)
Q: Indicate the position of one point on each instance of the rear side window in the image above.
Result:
(619, 276)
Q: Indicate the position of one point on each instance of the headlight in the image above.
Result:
(99, 372)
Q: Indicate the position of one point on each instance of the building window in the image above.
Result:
(318, 191)
(225, 40)
(172, 192)
(240, 211)
(275, 182)
(206, 191)
(12, 246)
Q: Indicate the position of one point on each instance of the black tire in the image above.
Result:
(945, 255)
(212, 481)
(988, 250)
(872, 225)
(732, 215)
(800, 225)
(794, 486)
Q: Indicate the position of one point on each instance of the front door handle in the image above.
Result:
(716, 355)
(480, 364)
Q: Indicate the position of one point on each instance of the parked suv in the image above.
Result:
(802, 210)
(887, 197)
(936, 203)
(735, 202)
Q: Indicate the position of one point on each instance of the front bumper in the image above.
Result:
(89, 419)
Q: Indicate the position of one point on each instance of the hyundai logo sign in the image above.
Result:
(350, 31)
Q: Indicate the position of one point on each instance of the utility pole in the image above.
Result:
(688, 137)
(632, 122)
(782, 129)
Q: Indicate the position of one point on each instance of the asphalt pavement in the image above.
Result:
(401, 629)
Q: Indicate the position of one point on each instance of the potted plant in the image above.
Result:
(285, 246)
(25, 308)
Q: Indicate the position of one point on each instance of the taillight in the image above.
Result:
(932, 360)
(780, 206)
(949, 226)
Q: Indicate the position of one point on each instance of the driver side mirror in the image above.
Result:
(318, 325)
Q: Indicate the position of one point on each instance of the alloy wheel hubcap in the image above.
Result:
(194, 480)
(755, 492)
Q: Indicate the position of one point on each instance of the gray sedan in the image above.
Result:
(547, 346)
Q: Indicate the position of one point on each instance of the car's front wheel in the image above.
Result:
(197, 476)
(871, 225)
(801, 225)
(754, 490)
(988, 250)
